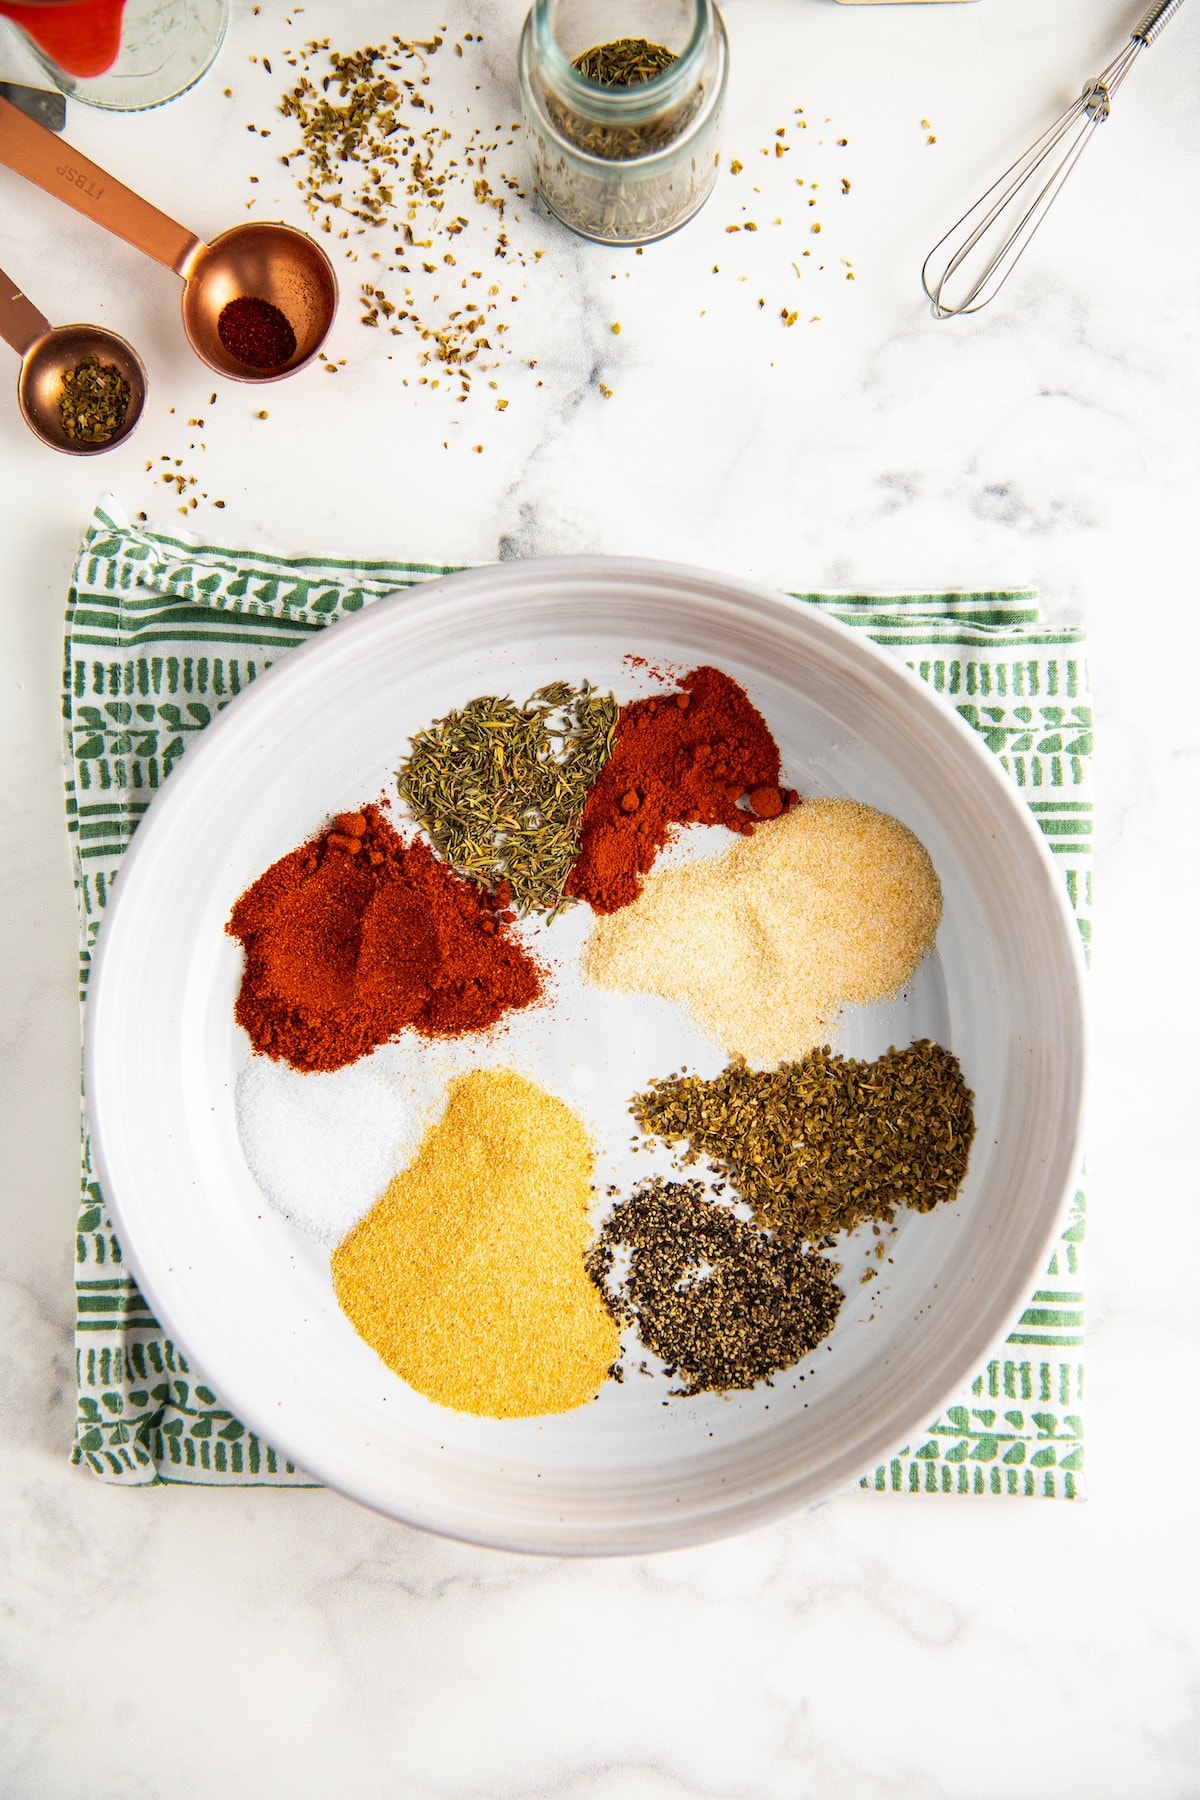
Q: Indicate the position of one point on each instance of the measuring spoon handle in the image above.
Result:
(21, 324)
(54, 166)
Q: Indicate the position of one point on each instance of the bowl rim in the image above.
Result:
(419, 602)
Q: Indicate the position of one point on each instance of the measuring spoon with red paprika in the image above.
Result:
(285, 275)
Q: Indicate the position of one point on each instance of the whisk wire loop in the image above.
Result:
(1013, 209)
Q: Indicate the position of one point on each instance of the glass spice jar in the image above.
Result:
(123, 55)
(628, 162)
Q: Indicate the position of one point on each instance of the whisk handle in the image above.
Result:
(1154, 19)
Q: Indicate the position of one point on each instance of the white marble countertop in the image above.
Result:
(176, 1643)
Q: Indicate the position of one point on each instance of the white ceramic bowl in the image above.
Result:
(249, 1297)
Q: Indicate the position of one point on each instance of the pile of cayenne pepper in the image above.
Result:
(701, 756)
(358, 934)
(256, 333)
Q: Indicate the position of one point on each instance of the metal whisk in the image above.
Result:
(989, 240)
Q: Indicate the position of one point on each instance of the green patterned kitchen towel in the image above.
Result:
(162, 633)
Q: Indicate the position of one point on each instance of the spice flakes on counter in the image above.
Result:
(832, 904)
(467, 1277)
(174, 475)
(375, 156)
(501, 788)
(383, 149)
(721, 1303)
(788, 192)
(684, 758)
(827, 1143)
(357, 935)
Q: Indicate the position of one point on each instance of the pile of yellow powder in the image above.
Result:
(832, 903)
(467, 1276)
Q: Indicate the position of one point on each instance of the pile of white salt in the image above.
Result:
(324, 1147)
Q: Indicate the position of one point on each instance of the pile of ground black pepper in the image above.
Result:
(723, 1304)
(826, 1143)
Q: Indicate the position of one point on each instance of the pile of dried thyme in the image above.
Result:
(501, 788)
(826, 1143)
(93, 402)
(720, 1302)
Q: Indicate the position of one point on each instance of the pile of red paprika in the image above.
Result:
(357, 935)
(686, 758)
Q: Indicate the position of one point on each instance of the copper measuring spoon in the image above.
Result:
(47, 353)
(266, 262)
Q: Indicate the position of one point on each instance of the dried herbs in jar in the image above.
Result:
(623, 135)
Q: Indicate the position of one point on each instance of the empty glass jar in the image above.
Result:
(628, 162)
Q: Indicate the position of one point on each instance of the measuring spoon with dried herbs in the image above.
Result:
(81, 389)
